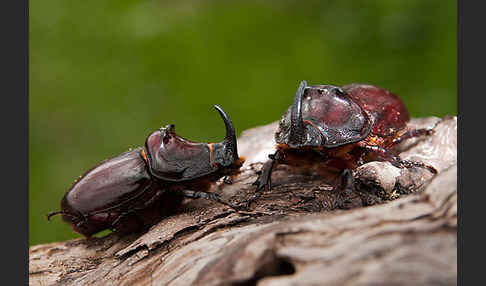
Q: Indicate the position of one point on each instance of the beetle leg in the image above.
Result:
(264, 181)
(409, 164)
(227, 180)
(414, 133)
(146, 204)
(134, 211)
(411, 134)
(84, 220)
(347, 188)
(152, 200)
(209, 196)
(119, 217)
(395, 160)
(123, 214)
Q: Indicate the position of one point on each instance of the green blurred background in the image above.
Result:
(104, 74)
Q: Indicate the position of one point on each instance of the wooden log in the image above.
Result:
(400, 229)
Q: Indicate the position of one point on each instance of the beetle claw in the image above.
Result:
(344, 200)
(261, 187)
(209, 196)
(227, 180)
(264, 181)
(411, 164)
(252, 199)
(217, 198)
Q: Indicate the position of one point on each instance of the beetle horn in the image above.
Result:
(230, 140)
(296, 123)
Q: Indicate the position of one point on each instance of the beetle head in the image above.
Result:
(292, 129)
(322, 116)
(226, 153)
(173, 158)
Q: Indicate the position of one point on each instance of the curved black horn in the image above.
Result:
(53, 214)
(296, 123)
(230, 139)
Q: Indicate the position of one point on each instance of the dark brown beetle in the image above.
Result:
(134, 189)
(341, 128)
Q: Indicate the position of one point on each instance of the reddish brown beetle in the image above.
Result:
(341, 128)
(135, 189)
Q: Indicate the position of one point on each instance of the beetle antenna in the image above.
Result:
(60, 212)
(296, 122)
(230, 138)
(53, 214)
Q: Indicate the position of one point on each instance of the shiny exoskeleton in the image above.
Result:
(341, 128)
(135, 189)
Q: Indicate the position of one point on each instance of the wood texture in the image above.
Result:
(400, 229)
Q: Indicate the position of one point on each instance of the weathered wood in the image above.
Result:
(295, 234)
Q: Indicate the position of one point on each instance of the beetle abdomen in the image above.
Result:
(386, 108)
(109, 183)
(107, 191)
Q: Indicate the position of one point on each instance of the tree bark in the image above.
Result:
(399, 228)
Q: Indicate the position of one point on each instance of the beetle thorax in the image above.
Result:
(330, 118)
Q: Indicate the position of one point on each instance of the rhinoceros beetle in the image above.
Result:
(133, 190)
(341, 127)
